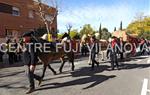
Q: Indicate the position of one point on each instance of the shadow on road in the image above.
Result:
(134, 66)
(11, 74)
(86, 71)
(86, 75)
(131, 59)
(12, 85)
(97, 79)
(56, 77)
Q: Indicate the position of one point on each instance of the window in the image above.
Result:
(12, 33)
(8, 32)
(15, 11)
(31, 14)
(5, 8)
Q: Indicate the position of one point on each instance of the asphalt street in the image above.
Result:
(133, 78)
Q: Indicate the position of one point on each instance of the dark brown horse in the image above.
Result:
(46, 58)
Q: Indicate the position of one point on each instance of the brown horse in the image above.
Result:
(30, 55)
(46, 58)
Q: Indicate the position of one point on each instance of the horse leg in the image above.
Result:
(72, 61)
(73, 66)
(44, 70)
(54, 72)
(62, 65)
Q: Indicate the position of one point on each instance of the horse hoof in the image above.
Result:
(40, 81)
(60, 72)
(30, 90)
(90, 64)
(72, 69)
(55, 73)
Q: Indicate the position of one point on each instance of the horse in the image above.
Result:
(47, 57)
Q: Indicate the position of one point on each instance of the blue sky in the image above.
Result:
(107, 12)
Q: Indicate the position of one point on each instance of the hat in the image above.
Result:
(28, 34)
(93, 37)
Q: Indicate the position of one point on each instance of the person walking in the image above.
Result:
(121, 44)
(10, 52)
(113, 54)
(94, 51)
(30, 58)
(142, 43)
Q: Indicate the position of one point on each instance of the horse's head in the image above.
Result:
(28, 34)
(65, 40)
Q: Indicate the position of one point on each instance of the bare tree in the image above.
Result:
(69, 27)
(139, 16)
(42, 14)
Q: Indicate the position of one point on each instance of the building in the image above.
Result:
(123, 34)
(18, 16)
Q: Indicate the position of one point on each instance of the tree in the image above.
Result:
(87, 29)
(78, 36)
(141, 27)
(42, 15)
(59, 36)
(100, 31)
(73, 33)
(121, 25)
(69, 26)
(145, 35)
(105, 34)
(115, 29)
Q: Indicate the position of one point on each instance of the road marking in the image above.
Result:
(144, 88)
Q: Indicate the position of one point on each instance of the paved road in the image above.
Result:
(130, 80)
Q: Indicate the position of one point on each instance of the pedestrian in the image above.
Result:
(10, 52)
(30, 58)
(142, 43)
(15, 53)
(108, 50)
(1, 53)
(94, 51)
(113, 54)
(121, 44)
(1, 56)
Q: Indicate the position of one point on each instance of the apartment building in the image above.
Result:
(19, 16)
